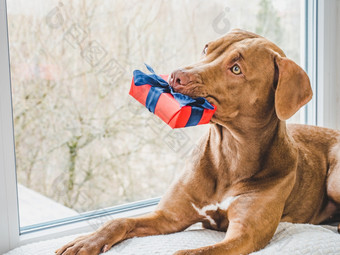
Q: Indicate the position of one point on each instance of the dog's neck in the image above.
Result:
(244, 148)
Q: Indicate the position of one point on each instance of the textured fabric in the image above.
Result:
(289, 239)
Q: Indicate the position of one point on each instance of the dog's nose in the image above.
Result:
(179, 78)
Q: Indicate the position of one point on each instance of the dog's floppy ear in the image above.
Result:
(293, 88)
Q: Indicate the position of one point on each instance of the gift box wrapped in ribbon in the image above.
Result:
(175, 109)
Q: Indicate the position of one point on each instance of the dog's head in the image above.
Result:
(245, 76)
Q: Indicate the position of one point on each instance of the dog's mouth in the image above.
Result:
(195, 91)
(192, 89)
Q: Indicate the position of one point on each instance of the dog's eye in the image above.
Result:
(205, 49)
(236, 69)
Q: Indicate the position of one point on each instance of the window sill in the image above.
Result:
(79, 227)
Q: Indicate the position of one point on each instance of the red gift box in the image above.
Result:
(168, 108)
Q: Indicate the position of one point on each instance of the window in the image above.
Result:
(81, 144)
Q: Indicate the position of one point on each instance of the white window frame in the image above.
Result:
(322, 61)
(328, 64)
(319, 43)
(9, 219)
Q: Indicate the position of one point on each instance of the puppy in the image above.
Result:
(251, 170)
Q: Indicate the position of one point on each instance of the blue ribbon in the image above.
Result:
(159, 86)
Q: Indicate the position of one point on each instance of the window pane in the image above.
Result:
(81, 142)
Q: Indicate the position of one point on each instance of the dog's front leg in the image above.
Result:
(115, 231)
(252, 223)
(239, 243)
(174, 213)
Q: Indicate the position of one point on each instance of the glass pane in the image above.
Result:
(81, 142)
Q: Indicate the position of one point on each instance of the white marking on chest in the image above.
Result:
(224, 205)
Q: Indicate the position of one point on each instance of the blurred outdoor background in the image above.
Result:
(79, 138)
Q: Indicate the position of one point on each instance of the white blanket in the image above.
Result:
(289, 239)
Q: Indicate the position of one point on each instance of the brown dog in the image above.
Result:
(251, 171)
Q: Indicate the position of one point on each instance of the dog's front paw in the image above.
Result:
(100, 241)
(85, 245)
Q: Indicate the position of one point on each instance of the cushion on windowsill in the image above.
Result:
(289, 239)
